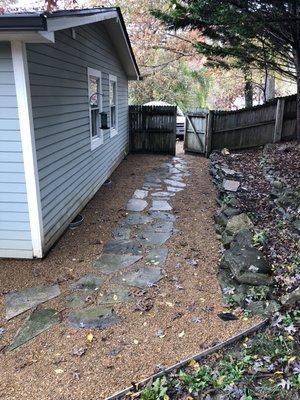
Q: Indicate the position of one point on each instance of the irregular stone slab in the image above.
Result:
(76, 300)
(121, 233)
(136, 205)
(176, 177)
(228, 171)
(238, 223)
(140, 194)
(149, 185)
(110, 263)
(141, 278)
(161, 226)
(99, 317)
(160, 205)
(230, 185)
(174, 170)
(157, 256)
(162, 194)
(18, 302)
(174, 189)
(163, 216)
(38, 322)
(88, 283)
(136, 219)
(171, 182)
(149, 237)
(123, 247)
(114, 296)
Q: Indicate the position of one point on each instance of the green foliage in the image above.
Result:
(259, 238)
(196, 381)
(156, 391)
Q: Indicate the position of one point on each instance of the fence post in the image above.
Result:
(279, 120)
(209, 133)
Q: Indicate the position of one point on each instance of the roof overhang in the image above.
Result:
(41, 28)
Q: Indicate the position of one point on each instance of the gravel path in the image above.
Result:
(160, 318)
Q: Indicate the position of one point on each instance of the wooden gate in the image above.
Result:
(152, 129)
(195, 131)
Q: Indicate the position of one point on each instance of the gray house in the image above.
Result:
(63, 119)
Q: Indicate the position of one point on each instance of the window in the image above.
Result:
(113, 105)
(95, 107)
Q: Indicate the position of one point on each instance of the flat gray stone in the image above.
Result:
(122, 233)
(230, 185)
(131, 247)
(162, 215)
(110, 263)
(149, 185)
(149, 237)
(160, 205)
(171, 182)
(177, 177)
(174, 189)
(136, 205)
(162, 194)
(88, 283)
(141, 278)
(20, 301)
(136, 219)
(157, 256)
(99, 317)
(76, 300)
(174, 170)
(38, 322)
(140, 194)
(114, 296)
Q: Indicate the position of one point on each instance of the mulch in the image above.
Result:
(184, 306)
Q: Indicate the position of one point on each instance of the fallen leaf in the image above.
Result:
(76, 375)
(168, 303)
(115, 297)
(136, 341)
(59, 371)
(181, 334)
(78, 351)
(291, 360)
(89, 337)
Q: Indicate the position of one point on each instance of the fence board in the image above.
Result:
(152, 129)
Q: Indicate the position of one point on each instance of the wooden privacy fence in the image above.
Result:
(256, 126)
(152, 129)
(195, 130)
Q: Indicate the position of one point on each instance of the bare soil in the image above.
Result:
(184, 305)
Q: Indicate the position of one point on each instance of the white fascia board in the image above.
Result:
(27, 37)
(20, 67)
(59, 23)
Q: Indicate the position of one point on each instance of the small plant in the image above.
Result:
(257, 293)
(196, 381)
(156, 391)
(259, 238)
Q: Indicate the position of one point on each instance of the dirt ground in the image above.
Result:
(185, 305)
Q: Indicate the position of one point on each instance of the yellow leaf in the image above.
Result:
(278, 373)
(291, 338)
(115, 297)
(136, 341)
(89, 337)
(181, 334)
(271, 380)
(291, 360)
(245, 319)
(166, 397)
(169, 304)
(193, 364)
(202, 299)
(59, 371)
(220, 380)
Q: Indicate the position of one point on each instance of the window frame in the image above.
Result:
(113, 131)
(96, 140)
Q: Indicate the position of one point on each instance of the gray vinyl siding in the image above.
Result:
(70, 173)
(15, 235)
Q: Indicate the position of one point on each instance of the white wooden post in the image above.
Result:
(209, 133)
(279, 120)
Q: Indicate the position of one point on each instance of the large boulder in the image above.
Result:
(238, 223)
(264, 308)
(247, 265)
(291, 298)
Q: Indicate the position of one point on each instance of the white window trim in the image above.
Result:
(98, 140)
(20, 67)
(113, 131)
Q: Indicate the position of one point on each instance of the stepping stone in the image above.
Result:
(177, 177)
(228, 172)
(136, 205)
(141, 278)
(136, 219)
(99, 317)
(18, 302)
(110, 263)
(123, 247)
(181, 166)
(175, 183)
(231, 186)
(162, 194)
(140, 194)
(76, 300)
(149, 237)
(88, 283)
(160, 205)
(174, 170)
(157, 256)
(163, 216)
(174, 189)
(162, 226)
(121, 233)
(114, 296)
(149, 185)
(38, 322)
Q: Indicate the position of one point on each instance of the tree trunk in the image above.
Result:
(248, 88)
(270, 86)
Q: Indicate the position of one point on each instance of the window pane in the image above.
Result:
(95, 122)
(94, 91)
(113, 116)
(112, 92)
